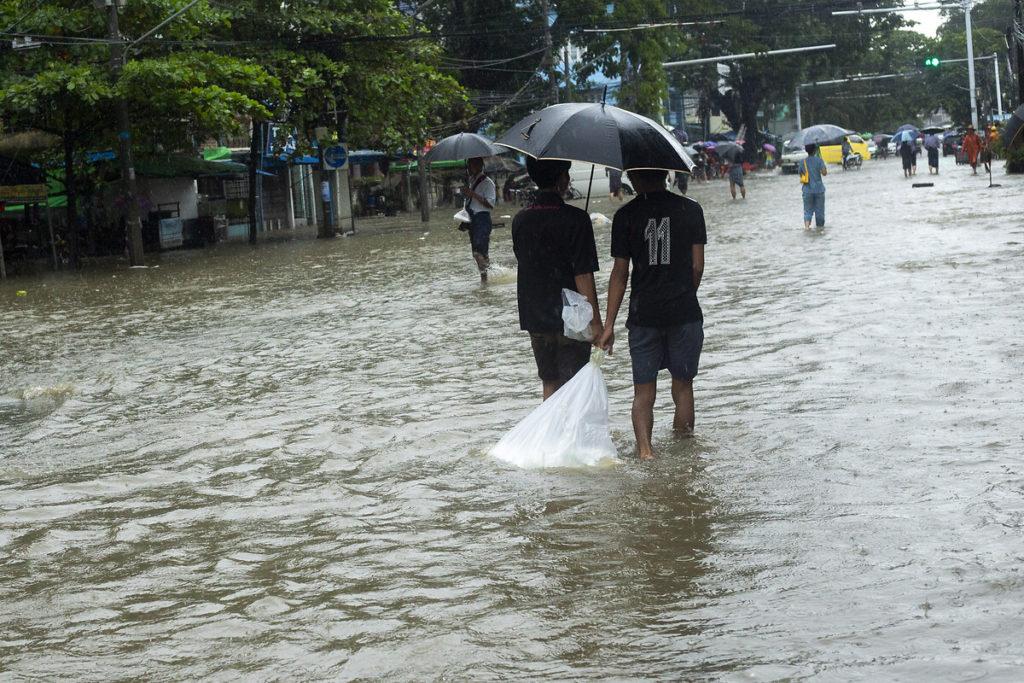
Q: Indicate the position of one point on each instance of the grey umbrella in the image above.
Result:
(462, 146)
(730, 151)
(822, 134)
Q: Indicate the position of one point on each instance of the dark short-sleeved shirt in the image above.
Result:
(553, 242)
(656, 231)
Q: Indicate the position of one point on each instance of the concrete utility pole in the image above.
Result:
(124, 140)
(1018, 41)
(970, 65)
(549, 55)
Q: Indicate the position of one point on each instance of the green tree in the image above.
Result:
(176, 91)
(879, 104)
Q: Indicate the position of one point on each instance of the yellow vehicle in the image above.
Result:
(833, 154)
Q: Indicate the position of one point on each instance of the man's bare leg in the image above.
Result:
(550, 387)
(682, 395)
(643, 418)
(483, 263)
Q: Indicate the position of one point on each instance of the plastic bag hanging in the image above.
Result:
(576, 315)
(570, 429)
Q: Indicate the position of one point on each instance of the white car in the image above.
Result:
(791, 157)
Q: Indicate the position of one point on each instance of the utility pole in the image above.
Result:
(124, 139)
(1018, 51)
(799, 122)
(549, 56)
(970, 65)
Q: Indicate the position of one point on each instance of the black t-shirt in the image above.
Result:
(553, 242)
(657, 231)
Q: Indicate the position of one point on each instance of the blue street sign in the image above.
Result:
(336, 157)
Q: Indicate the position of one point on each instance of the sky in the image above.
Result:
(928, 21)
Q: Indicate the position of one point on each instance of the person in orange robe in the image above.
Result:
(972, 147)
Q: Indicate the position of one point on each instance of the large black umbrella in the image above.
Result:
(1012, 135)
(597, 133)
(462, 146)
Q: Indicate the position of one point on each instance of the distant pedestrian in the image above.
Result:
(908, 156)
(481, 196)
(972, 148)
(682, 182)
(736, 179)
(931, 144)
(614, 185)
(811, 171)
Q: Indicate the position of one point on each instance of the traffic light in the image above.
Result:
(931, 61)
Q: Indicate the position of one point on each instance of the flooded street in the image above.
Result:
(270, 463)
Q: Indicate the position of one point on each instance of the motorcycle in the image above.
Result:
(852, 160)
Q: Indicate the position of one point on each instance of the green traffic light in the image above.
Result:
(932, 61)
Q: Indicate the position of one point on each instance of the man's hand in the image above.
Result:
(607, 340)
(598, 329)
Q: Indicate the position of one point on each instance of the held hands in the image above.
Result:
(607, 339)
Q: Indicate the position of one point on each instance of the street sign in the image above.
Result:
(335, 157)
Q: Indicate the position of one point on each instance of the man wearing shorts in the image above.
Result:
(663, 235)
(554, 244)
(736, 180)
(482, 195)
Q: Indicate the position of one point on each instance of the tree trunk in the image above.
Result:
(72, 198)
(421, 173)
(255, 152)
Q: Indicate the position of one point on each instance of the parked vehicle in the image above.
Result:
(791, 158)
(833, 154)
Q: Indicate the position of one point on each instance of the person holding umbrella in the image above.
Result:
(554, 245)
(662, 235)
(931, 145)
(908, 154)
(813, 168)
(481, 195)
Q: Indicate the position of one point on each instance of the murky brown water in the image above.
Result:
(268, 463)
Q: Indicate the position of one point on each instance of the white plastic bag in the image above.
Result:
(570, 429)
(576, 315)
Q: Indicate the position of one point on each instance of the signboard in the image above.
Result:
(335, 157)
(170, 233)
(23, 194)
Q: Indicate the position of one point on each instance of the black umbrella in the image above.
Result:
(1012, 135)
(932, 129)
(599, 134)
(462, 146)
(730, 151)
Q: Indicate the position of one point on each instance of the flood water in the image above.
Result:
(270, 463)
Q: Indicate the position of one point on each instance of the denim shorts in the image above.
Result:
(655, 348)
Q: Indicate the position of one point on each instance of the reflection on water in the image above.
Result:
(269, 462)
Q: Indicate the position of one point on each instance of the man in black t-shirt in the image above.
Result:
(554, 244)
(663, 236)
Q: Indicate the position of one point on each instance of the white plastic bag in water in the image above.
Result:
(570, 429)
(576, 315)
